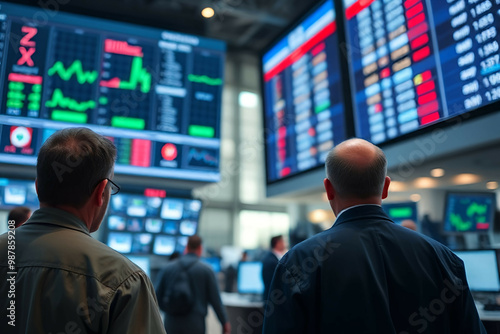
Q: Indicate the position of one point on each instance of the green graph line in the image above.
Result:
(59, 100)
(475, 208)
(205, 80)
(459, 224)
(138, 75)
(74, 69)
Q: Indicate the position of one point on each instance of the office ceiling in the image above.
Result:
(246, 25)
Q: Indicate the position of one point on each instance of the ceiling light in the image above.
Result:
(425, 182)
(208, 12)
(397, 186)
(318, 216)
(466, 178)
(437, 172)
(248, 99)
(492, 185)
(415, 197)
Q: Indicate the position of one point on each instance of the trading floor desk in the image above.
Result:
(490, 319)
(246, 314)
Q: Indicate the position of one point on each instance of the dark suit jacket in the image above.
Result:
(269, 263)
(369, 275)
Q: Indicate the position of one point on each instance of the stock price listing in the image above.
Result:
(152, 92)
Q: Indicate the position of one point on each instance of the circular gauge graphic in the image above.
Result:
(169, 152)
(20, 136)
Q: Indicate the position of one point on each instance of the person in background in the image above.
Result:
(19, 215)
(270, 261)
(65, 280)
(367, 274)
(204, 289)
(408, 223)
(175, 255)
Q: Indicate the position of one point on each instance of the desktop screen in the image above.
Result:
(414, 63)
(16, 192)
(137, 224)
(481, 268)
(469, 212)
(303, 99)
(156, 94)
(250, 278)
(399, 212)
(213, 262)
(142, 262)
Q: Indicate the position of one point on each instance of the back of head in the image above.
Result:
(70, 164)
(356, 169)
(194, 243)
(19, 215)
(275, 240)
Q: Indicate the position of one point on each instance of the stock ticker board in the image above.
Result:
(156, 94)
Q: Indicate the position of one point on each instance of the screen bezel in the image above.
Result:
(448, 194)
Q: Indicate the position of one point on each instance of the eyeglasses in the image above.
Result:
(114, 187)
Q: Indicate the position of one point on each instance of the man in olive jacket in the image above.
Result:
(60, 279)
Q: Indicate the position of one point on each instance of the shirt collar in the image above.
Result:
(355, 206)
(58, 217)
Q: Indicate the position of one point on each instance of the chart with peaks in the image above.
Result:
(143, 88)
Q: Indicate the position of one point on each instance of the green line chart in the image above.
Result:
(75, 69)
(58, 100)
(205, 80)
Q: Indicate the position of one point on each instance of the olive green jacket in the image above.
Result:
(68, 282)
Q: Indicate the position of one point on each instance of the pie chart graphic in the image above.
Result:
(20, 136)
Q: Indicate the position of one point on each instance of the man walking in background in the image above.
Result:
(367, 274)
(184, 288)
(270, 261)
(65, 281)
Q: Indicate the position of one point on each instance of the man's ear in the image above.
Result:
(385, 191)
(330, 192)
(98, 194)
(36, 185)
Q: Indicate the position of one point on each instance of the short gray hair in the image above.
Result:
(354, 181)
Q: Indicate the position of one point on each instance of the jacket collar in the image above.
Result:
(57, 217)
(363, 212)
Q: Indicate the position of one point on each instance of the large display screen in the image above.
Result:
(469, 212)
(14, 192)
(401, 211)
(303, 95)
(137, 224)
(416, 62)
(156, 94)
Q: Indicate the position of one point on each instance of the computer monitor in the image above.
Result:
(142, 262)
(469, 212)
(250, 278)
(401, 211)
(481, 268)
(213, 262)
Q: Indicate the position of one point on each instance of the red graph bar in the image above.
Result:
(419, 41)
(417, 31)
(357, 7)
(411, 3)
(426, 87)
(430, 118)
(427, 98)
(286, 171)
(122, 48)
(426, 76)
(414, 11)
(416, 20)
(482, 226)
(29, 79)
(318, 49)
(302, 50)
(386, 72)
(421, 54)
(112, 83)
(141, 153)
(428, 108)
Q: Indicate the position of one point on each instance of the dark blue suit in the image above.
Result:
(369, 275)
(269, 263)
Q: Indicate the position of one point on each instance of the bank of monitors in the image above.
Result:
(481, 269)
(469, 212)
(414, 62)
(138, 224)
(401, 211)
(156, 94)
(250, 278)
(303, 95)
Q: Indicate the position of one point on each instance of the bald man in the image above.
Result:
(367, 274)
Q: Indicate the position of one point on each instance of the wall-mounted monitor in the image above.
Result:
(250, 278)
(401, 211)
(303, 95)
(156, 94)
(414, 63)
(138, 224)
(481, 269)
(143, 262)
(17, 192)
(469, 212)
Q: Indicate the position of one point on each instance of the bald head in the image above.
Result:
(356, 169)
